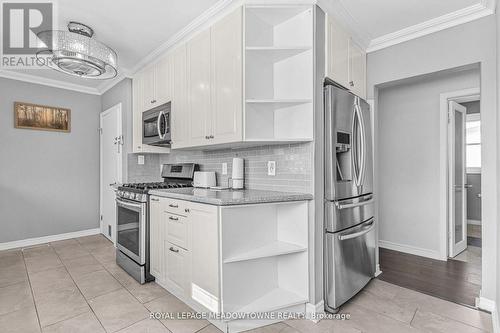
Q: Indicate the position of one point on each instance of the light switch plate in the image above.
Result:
(224, 168)
(271, 168)
(140, 159)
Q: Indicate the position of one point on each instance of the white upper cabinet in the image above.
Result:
(147, 98)
(227, 77)
(246, 79)
(357, 69)
(345, 60)
(337, 49)
(180, 109)
(198, 60)
(163, 80)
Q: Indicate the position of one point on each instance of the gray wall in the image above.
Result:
(469, 43)
(473, 201)
(409, 158)
(472, 107)
(122, 93)
(293, 166)
(49, 181)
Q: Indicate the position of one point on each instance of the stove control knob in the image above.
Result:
(132, 195)
(126, 195)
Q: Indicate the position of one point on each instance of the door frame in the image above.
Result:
(459, 96)
(119, 161)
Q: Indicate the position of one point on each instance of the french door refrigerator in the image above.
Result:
(349, 242)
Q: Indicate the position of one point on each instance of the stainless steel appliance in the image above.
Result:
(132, 214)
(156, 126)
(349, 245)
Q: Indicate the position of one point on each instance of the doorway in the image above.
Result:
(111, 143)
(465, 242)
(417, 248)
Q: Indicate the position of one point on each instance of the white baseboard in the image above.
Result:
(377, 270)
(485, 304)
(312, 310)
(474, 222)
(47, 239)
(411, 250)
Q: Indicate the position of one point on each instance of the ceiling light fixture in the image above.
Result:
(75, 52)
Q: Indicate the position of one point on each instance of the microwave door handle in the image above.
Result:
(370, 225)
(158, 124)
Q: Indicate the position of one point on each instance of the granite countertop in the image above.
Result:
(230, 197)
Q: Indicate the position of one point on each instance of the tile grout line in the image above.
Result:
(76, 285)
(32, 292)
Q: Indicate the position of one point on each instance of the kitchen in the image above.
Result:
(237, 106)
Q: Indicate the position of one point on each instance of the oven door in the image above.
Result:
(131, 229)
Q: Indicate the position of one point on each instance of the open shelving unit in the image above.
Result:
(278, 73)
(264, 256)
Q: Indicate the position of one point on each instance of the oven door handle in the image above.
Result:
(127, 203)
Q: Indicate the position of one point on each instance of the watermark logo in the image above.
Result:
(21, 22)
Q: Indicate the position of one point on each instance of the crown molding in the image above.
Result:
(467, 14)
(47, 82)
(192, 27)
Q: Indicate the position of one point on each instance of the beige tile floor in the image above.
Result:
(75, 286)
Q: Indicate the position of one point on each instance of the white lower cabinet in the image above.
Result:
(177, 268)
(244, 258)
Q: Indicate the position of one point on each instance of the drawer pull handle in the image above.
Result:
(173, 206)
(186, 210)
(173, 218)
(154, 199)
(174, 250)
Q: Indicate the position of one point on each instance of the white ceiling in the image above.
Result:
(381, 17)
(135, 29)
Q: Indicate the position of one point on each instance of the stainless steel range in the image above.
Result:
(132, 218)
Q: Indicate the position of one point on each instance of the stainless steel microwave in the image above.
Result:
(156, 130)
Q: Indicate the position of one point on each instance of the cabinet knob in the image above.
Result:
(207, 137)
(211, 137)
(186, 210)
(351, 83)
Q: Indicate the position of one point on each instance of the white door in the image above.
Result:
(110, 167)
(457, 176)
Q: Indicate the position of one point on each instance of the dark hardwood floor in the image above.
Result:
(449, 280)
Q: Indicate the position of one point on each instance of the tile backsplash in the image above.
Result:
(293, 166)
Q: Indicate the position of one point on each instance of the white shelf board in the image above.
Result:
(279, 101)
(276, 53)
(277, 248)
(276, 299)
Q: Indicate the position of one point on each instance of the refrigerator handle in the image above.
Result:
(369, 227)
(354, 147)
(368, 201)
(363, 143)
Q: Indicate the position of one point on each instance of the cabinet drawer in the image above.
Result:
(177, 207)
(178, 263)
(177, 230)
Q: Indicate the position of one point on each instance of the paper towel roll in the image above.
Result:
(238, 173)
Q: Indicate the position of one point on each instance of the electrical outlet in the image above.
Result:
(140, 159)
(224, 168)
(271, 168)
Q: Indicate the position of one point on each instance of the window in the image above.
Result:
(473, 143)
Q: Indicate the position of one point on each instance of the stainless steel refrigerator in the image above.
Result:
(349, 243)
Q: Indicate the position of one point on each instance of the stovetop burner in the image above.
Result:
(156, 185)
